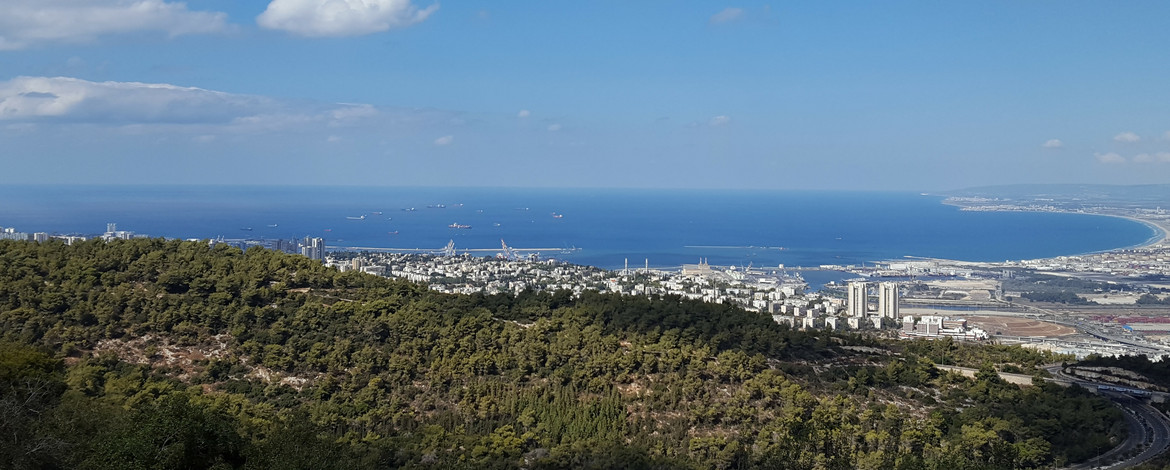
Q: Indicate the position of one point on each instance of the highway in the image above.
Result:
(1149, 429)
(1149, 436)
(1156, 435)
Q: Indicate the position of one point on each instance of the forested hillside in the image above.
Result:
(167, 354)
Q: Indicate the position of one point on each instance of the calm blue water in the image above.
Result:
(670, 227)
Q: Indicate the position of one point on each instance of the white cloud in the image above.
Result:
(341, 17)
(554, 127)
(352, 111)
(25, 23)
(727, 15)
(71, 99)
(1127, 137)
(445, 140)
(1110, 157)
(273, 122)
(1160, 157)
(350, 114)
(720, 120)
(1146, 158)
(158, 107)
(1053, 144)
(1166, 135)
(523, 113)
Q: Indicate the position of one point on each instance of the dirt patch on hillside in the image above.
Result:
(160, 351)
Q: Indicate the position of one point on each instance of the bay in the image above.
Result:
(609, 226)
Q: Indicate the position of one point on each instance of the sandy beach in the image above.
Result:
(1161, 227)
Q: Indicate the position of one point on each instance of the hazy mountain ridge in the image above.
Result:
(1121, 195)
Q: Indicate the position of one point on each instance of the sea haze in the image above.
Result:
(669, 227)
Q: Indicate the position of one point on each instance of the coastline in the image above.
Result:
(1161, 232)
(1161, 228)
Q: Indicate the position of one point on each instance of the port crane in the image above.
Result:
(509, 253)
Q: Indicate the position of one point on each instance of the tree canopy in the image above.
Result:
(161, 354)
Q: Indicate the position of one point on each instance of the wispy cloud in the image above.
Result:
(444, 140)
(28, 23)
(1110, 158)
(1127, 137)
(728, 15)
(1053, 144)
(353, 111)
(342, 17)
(142, 107)
(523, 113)
(721, 120)
(1160, 157)
(554, 127)
(72, 99)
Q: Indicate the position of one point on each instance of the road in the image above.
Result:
(1157, 438)
(1149, 436)
(1149, 429)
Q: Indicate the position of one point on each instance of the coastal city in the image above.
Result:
(1110, 303)
(408, 234)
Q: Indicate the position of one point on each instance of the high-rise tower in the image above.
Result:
(858, 299)
(313, 248)
(888, 300)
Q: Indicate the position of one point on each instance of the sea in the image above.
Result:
(600, 227)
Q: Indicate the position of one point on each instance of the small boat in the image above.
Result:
(408, 209)
(377, 212)
(437, 206)
(392, 233)
(557, 216)
(328, 230)
(456, 225)
(363, 217)
(271, 225)
(246, 229)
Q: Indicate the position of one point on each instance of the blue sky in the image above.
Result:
(798, 95)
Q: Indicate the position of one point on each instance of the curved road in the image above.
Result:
(1149, 431)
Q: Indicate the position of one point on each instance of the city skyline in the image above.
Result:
(909, 95)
